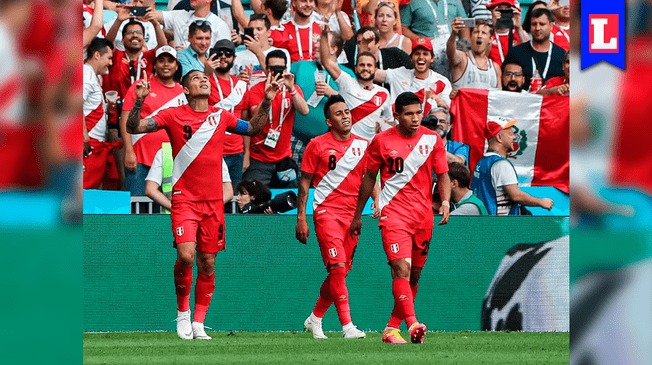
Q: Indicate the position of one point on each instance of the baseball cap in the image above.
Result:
(224, 44)
(494, 127)
(495, 3)
(166, 49)
(422, 42)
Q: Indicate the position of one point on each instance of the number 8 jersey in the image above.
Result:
(406, 165)
(337, 167)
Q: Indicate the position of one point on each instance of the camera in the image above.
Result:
(506, 19)
(430, 122)
(281, 203)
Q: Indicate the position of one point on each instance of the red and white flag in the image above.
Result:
(541, 151)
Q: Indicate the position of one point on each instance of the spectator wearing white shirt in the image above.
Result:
(330, 12)
(179, 21)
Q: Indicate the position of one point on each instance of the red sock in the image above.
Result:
(204, 289)
(395, 320)
(324, 301)
(340, 294)
(182, 283)
(403, 300)
(414, 287)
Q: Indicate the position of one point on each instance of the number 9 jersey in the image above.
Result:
(406, 165)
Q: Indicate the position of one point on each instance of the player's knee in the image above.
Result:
(186, 258)
(400, 269)
(206, 264)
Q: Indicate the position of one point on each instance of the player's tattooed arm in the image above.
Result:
(302, 225)
(135, 125)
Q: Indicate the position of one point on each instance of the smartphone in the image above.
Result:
(564, 2)
(248, 31)
(506, 13)
(468, 22)
(138, 11)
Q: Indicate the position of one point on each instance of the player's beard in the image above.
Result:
(229, 66)
(370, 78)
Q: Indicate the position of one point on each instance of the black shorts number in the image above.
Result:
(188, 132)
(332, 164)
(395, 164)
(426, 246)
(221, 232)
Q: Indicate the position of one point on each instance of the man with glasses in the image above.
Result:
(513, 77)
(115, 26)
(196, 55)
(439, 120)
(179, 21)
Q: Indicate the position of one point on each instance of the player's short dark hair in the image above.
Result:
(484, 22)
(364, 29)
(259, 191)
(337, 98)
(261, 16)
(278, 7)
(130, 23)
(186, 77)
(404, 99)
(199, 24)
(539, 12)
(461, 173)
(277, 53)
(98, 45)
(504, 65)
(367, 54)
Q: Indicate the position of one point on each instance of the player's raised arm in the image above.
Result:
(366, 188)
(302, 198)
(135, 125)
(259, 119)
(325, 57)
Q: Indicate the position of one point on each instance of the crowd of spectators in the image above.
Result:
(322, 48)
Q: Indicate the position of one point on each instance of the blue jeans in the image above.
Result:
(135, 181)
(234, 162)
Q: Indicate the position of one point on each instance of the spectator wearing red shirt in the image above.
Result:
(272, 144)
(300, 34)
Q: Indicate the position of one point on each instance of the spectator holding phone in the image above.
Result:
(138, 11)
(506, 19)
(473, 69)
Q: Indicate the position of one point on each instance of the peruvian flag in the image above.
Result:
(541, 151)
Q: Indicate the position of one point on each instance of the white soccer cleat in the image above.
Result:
(198, 331)
(184, 327)
(313, 325)
(351, 331)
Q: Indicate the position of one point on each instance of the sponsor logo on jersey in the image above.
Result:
(393, 153)
(332, 252)
(394, 247)
(520, 145)
(332, 152)
(179, 231)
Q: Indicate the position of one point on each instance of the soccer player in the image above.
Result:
(332, 162)
(406, 156)
(196, 132)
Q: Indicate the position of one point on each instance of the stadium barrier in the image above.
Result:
(267, 281)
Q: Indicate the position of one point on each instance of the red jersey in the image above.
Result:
(497, 53)
(555, 81)
(124, 72)
(299, 40)
(197, 144)
(560, 36)
(229, 94)
(160, 98)
(94, 113)
(406, 166)
(337, 169)
(282, 104)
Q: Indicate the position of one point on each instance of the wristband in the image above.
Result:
(445, 203)
(293, 92)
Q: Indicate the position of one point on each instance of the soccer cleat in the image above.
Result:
(184, 327)
(314, 326)
(352, 331)
(198, 331)
(417, 331)
(393, 336)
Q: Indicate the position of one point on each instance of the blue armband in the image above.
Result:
(242, 127)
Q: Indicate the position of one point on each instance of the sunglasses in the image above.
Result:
(226, 52)
(201, 22)
(386, 3)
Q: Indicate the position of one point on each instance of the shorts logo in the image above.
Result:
(394, 247)
(332, 252)
(179, 231)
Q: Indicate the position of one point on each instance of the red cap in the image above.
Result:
(494, 127)
(495, 3)
(422, 42)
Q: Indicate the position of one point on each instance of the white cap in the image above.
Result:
(166, 49)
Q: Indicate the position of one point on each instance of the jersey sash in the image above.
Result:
(178, 100)
(417, 157)
(334, 178)
(195, 145)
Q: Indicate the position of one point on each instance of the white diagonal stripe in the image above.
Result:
(411, 165)
(234, 98)
(178, 100)
(194, 146)
(334, 178)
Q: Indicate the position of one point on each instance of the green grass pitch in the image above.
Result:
(300, 348)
